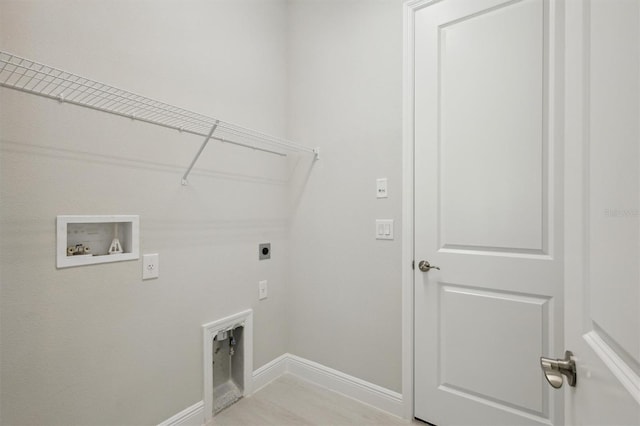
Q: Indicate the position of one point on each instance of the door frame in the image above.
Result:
(410, 7)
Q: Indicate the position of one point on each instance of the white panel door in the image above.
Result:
(487, 211)
(603, 210)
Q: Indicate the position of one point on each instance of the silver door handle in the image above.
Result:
(554, 369)
(424, 266)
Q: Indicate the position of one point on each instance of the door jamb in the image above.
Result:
(410, 7)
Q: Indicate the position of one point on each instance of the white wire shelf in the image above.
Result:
(39, 79)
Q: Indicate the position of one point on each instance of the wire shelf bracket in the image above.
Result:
(28, 76)
(202, 147)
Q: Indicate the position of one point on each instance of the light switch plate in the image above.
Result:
(150, 266)
(381, 188)
(384, 229)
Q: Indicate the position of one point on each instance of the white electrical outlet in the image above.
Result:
(150, 266)
(262, 290)
(381, 188)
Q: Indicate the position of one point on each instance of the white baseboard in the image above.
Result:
(190, 416)
(337, 381)
(270, 371)
(353, 387)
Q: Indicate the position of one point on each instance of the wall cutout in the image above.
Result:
(228, 368)
(86, 240)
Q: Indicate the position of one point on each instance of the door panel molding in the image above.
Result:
(611, 358)
(537, 418)
(464, 327)
(510, 204)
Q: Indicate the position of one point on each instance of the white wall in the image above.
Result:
(96, 344)
(345, 75)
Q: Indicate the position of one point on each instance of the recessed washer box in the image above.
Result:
(87, 240)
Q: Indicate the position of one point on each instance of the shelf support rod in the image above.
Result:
(202, 147)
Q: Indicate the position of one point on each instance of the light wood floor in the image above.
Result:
(291, 401)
